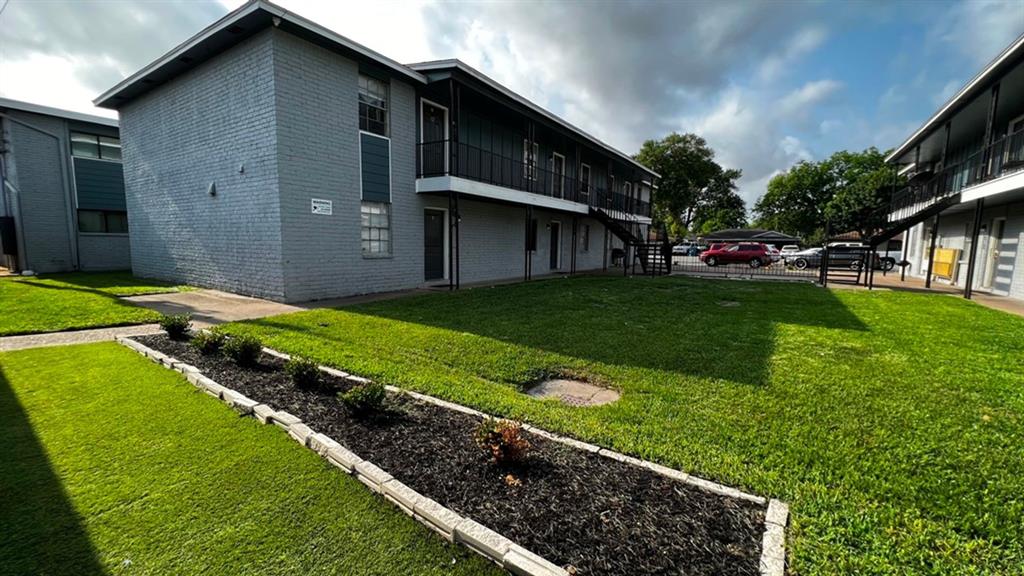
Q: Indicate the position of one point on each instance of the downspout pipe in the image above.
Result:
(61, 153)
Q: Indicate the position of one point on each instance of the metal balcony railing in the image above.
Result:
(449, 158)
(1002, 157)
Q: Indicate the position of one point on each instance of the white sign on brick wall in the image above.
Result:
(324, 207)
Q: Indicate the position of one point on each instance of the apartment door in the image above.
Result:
(434, 139)
(557, 175)
(555, 247)
(433, 245)
(992, 257)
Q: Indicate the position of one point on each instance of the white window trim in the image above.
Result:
(387, 109)
(447, 240)
(558, 249)
(447, 135)
(589, 176)
(391, 233)
(561, 189)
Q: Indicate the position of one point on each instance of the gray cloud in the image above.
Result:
(105, 40)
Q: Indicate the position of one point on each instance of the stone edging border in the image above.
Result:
(451, 526)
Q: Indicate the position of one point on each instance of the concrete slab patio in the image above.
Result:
(210, 307)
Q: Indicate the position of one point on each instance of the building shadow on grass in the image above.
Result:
(40, 532)
(711, 329)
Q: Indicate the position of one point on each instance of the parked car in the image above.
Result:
(840, 256)
(885, 259)
(803, 259)
(774, 253)
(686, 249)
(789, 249)
(754, 255)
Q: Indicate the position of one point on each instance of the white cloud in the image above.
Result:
(981, 29)
(803, 42)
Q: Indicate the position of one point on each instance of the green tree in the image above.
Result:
(849, 190)
(693, 188)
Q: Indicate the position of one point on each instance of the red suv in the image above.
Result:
(753, 254)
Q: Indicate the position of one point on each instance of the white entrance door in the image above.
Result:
(995, 242)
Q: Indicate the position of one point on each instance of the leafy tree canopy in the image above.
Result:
(695, 194)
(849, 189)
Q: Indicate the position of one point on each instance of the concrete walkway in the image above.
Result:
(892, 281)
(210, 307)
(8, 343)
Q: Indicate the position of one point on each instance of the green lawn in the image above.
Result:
(71, 301)
(892, 422)
(113, 465)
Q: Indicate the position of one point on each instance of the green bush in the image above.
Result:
(177, 326)
(502, 440)
(304, 372)
(208, 342)
(245, 350)
(364, 399)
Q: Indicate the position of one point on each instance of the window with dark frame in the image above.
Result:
(102, 222)
(584, 179)
(95, 146)
(373, 105)
(375, 230)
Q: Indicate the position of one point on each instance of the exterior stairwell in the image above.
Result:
(897, 227)
(655, 258)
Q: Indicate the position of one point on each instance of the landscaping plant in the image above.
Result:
(245, 350)
(502, 440)
(364, 399)
(304, 372)
(208, 342)
(177, 326)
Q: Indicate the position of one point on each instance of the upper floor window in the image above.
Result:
(373, 105)
(584, 179)
(530, 151)
(92, 146)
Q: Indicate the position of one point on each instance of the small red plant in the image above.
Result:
(503, 440)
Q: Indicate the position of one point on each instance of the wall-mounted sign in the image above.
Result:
(324, 207)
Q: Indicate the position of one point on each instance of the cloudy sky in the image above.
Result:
(766, 83)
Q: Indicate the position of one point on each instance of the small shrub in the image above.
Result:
(364, 399)
(502, 440)
(176, 325)
(304, 372)
(245, 350)
(208, 342)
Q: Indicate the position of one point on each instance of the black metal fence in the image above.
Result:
(838, 264)
(450, 158)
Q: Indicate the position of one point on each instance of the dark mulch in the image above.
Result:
(573, 508)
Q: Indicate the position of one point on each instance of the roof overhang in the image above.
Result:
(454, 64)
(1006, 59)
(232, 29)
(56, 112)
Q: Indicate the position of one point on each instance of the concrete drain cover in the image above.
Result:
(573, 392)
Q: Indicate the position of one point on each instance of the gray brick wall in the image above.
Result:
(45, 204)
(318, 136)
(104, 252)
(213, 124)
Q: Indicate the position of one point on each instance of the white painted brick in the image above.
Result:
(263, 413)
(321, 443)
(335, 372)
(778, 513)
(276, 354)
(773, 551)
(620, 457)
(283, 419)
(666, 471)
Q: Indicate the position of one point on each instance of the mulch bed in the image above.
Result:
(574, 508)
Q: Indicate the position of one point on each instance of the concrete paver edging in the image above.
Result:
(447, 523)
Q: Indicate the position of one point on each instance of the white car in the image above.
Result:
(789, 249)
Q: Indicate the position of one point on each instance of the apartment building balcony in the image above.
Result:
(448, 165)
(994, 169)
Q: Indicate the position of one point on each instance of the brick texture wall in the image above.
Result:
(212, 125)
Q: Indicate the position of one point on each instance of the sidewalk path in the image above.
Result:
(8, 343)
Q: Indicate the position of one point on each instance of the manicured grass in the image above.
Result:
(892, 422)
(56, 302)
(113, 465)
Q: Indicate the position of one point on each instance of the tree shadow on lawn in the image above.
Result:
(712, 329)
(41, 531)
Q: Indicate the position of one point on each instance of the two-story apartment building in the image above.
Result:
(62, 198)
(270, 156)
(962, 211)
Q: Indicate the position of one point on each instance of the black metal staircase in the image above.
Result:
(655, 258)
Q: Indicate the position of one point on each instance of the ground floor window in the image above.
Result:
(376, 228)
(102, 222)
